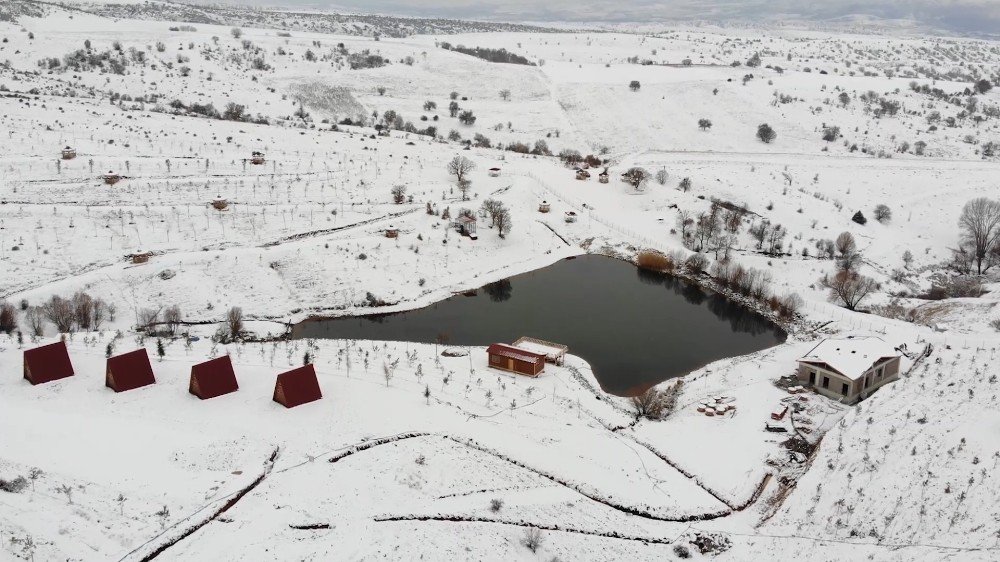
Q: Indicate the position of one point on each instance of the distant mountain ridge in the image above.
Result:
(291, 20)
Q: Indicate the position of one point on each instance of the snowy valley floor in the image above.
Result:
(376, 469)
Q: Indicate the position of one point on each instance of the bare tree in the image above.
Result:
(8, 317)
(464, 185)
(848, 256)
(236, 32)
(102, 311)
(504, 222)
(533, 539)
(172, 318)
(83, 310)
(35, 318)
(505, 94)
(704, 124)
(234, 319)
(980, 224)
(883, 213)
(849, 288)
(636, 177)
(662, 176)
(460, 166)
(398, 194)
(148, 317)
(492, 207)
(60, 312)
(657, 404)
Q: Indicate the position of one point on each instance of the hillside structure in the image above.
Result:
(296, 387)
(849, 369)
(515, 359)
(213, 378)
(129, 371)
(47, 363)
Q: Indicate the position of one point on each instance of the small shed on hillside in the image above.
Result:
(582, 174)
(516, 360)
(129, 371)
(212, 378)
(603, 176)
(466, 226)
(296, 387)
(220, 203)
(68, 153)
(47, 363)
(391, 232)
(544, 207)
(257, 157)
(851, 368)
(494, 172)
(111, 178)
(140, 256)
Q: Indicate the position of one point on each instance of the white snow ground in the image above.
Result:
(910, 474)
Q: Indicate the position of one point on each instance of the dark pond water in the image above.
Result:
(635, 328)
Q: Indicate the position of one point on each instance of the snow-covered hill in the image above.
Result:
(378, 469)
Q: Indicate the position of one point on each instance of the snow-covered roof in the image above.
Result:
(548, 349)
(850, 356)
(509, 351)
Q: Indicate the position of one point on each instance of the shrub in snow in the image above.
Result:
(14, 486)
(859, 218)
(532, 539)
(765, 133)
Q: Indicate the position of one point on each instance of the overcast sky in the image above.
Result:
(981, 16)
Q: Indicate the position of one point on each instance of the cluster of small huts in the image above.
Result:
(133, 370)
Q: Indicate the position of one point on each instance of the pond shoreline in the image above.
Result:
(637, 328)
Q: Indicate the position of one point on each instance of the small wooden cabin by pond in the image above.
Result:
(257, 157)
(68, 153)
(849, 369)
(516, 360)
(47, 363)
(111, 178)
(129, 371)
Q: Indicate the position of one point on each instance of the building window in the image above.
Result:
(843, 389)
(826, 382)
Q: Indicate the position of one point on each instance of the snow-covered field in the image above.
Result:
(407, 451)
